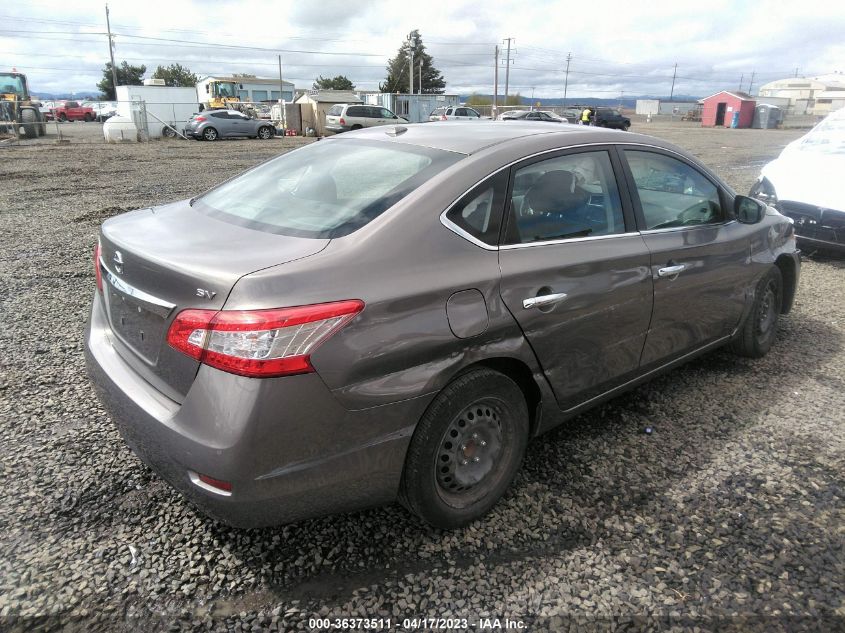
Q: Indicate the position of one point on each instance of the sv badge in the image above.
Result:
(206, 294)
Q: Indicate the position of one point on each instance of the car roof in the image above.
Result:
(470, 137)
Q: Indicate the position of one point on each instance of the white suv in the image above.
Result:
(454, 113)
(343, 117)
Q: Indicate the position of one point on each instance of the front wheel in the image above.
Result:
(625, 127)
(466, 449)
(264, 133)
(758, 332)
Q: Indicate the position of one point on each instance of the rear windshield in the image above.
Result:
(324, 190)
(335, 110)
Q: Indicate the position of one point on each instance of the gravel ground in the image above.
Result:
(728, 516)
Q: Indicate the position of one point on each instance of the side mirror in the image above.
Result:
(748, 210)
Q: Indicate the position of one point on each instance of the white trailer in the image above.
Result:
(153, 108)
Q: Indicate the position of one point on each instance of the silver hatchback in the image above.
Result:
(211, 125)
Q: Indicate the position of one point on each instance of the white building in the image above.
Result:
(808, 95)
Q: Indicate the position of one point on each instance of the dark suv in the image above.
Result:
(611, 117)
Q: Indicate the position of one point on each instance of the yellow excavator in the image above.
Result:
(219, 94)
(17, 108)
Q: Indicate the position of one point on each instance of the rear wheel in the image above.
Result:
(29, 120)
(168, 132)
(466, 449)
(356, 127)
(209, 134)
(264, 133)
(625, 127)
(88, 117)
(758, 332)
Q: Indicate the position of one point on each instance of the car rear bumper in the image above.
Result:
(288, 448)
(337, 129)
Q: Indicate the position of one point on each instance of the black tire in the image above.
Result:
(209, 134)
(265, 132)
(168, 132)
(466, 449)
(758, 332)
(42, 129)
(356, 127)
(63, 117)
(29, 120)
(625, 127)
(88, 117)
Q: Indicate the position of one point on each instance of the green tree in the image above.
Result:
(513, 99)
(176, 75)
(127, 75)
(478, 100)
(398, 72)
(341, 82)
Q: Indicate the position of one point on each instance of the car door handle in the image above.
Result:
(543, 300)
(670, 271)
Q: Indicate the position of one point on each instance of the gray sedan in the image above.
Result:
(211, 125)
(392, 314)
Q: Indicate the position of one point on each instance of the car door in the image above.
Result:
(575, 272)
(699, 253)
(239, 124)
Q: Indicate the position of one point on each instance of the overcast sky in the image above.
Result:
(622, 48)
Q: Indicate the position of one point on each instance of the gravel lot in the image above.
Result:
(728, 516)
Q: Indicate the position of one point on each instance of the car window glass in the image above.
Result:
(220, 115)
(473, 113)
(354, 111)
(565, 197)
(335, 110)
(324, 190)
(386, 114)
(72, 104)
(479, 212)
(671, 192)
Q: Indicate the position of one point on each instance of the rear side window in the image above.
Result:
(479, 212)
(325, 190)
(673, 193)
(335, 110)
(356, 111)
(565, 197)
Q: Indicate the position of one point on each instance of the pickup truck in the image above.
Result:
(72, 111)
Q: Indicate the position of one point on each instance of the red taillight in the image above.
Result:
(97, 270)
(200, 118)
(443, 117)
(225, 486)
(259, 343)
(342, 122)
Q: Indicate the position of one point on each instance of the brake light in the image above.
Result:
(342, 122)
(443, 117)
(259, 343)
(200, 118)
(97, 271)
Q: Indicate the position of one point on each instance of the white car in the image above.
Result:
(454, 113)
(806, 184)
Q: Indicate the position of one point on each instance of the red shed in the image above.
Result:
(719, 109)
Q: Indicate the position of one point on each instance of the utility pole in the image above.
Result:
(796, 72)
(741, 78)
(281, 84)
(495, 108)
(411, 62)
(566, 80)
(111, 53)
(420, 82)
(674, 74)
(751, 83)
(507, 69)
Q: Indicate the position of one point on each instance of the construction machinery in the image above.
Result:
(18, 110)
(219, 94)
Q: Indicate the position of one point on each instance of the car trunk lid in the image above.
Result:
(157, 262)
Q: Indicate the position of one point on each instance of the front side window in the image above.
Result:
(386, 114)
(565, 197)
(325, 190)
(673, 193)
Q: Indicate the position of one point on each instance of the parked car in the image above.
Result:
(532, 115)
(343, 117)
(394, 314)
(805, 183)
(72, 111)
(104, 110)
(211, 125)
(454, 113)
(46, 109)
(611, 117)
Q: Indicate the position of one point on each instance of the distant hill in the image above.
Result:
(625, 102)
